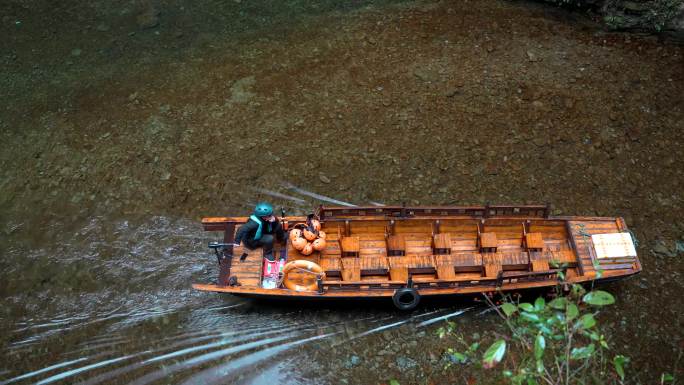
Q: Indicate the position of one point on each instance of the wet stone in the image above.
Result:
(323, 178)
(148, 18)
(405, 363)
(352, 362)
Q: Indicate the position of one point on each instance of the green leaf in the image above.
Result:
(526, 307)
(571, 312)
(666, 377)
(539, 346)
(583, 352)
(598, 298)
(540, 366)
(558, 303)
(578, 290)
(529, 316)
(604, 343)
(539, 304)
(619, 362)
(532, 380)
(394, 382)
(460, 358)
(588, 321)
(494, 354)
(508, 308)
(544, 329)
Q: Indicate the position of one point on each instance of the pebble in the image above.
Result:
(324, 178)
(404, 363)
(531, 56)
(76, 52)
(661, 248)
(149, 18)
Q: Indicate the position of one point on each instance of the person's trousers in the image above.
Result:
(266, 241)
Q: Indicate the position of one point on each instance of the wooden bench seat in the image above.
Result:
(514, 260)
(332, 266)
(446, 266)
(400, 267)
(467, 262)
(561, 256)
(351, 269)
(373, 265)
(418, 245)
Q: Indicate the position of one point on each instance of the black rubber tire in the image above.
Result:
(406, 298)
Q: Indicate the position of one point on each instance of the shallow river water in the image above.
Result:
(123, 123)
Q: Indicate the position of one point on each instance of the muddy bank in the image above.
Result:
(196, 109)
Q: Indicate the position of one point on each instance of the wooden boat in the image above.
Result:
(405, 253)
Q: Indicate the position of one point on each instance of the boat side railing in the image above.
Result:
(487, 211)
(499, 282)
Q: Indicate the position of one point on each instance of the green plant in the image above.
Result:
(661, 12)
(555, 342)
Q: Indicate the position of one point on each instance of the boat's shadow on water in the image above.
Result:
(386, 305)
(346, 305)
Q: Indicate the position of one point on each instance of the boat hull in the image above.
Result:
(376, 253)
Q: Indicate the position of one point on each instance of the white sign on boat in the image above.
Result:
(613, 245)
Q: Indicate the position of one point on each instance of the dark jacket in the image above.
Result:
(248, 231)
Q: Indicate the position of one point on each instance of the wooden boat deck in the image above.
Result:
(438, 254)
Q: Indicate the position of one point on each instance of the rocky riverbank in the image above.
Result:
(664, 16)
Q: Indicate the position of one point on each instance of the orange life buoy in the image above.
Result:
(321, 234)
(308, 266)
(315, 224)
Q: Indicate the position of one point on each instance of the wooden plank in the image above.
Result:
(468, 259)
(492, 270)
(351, 269)
(332, 248)
(365, 227)
(226, 259)
(445, 265)
(329, 264)
(464, 245)
(540, 265)
(413, 226)
(350, 244)
(534, 241)
(488, 240)
(399, 273)
(514, 259)
(622, 266)
(376, 262)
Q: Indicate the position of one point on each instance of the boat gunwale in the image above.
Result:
(384, 292)
(239, 220)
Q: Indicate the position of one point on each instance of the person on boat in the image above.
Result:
(259, 231)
